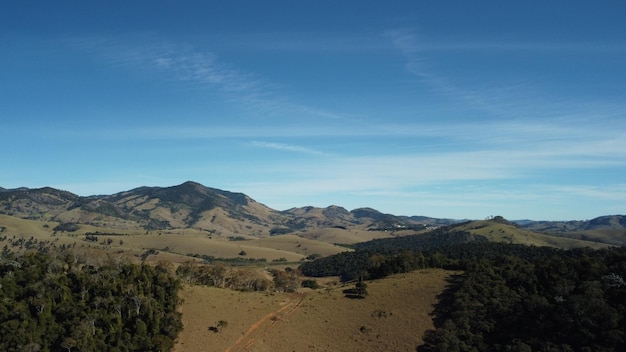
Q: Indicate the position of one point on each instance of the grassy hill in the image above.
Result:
(393, 317)
(500, 230)
(610, 229)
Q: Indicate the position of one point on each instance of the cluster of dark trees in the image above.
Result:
(509, 297)
(437, 249)
(56, 302)
(572, 301)
(382, 257)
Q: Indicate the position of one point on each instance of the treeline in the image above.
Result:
(244, 279)
(571, 302)
(439, 249)
(56, 301)
(438, 238)
(381, 257)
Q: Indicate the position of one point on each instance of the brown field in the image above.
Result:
(295, 244)
(175, 245)
(393, 317)
(343, 236)
(23, 227)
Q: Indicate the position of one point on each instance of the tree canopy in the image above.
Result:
(57, 302)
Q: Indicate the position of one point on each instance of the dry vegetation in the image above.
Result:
(173, 245)
(393, 317)
(498, 232)
(343, 236)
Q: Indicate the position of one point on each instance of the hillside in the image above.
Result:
(394, 317)
(186, 206)
(610, 229)
(602, 222)
(192, 220)
(499, 229)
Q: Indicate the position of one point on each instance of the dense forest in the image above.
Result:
(509, 297)
(571, 302)
(59, 301)
(436, 249)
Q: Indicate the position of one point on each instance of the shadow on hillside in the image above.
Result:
(352, 293)
(441, 312)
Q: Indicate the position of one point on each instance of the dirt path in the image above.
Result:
(263, 326)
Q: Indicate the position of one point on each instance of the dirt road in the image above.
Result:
(263, 326)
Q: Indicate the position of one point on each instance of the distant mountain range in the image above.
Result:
(602, 222)
(192, 205)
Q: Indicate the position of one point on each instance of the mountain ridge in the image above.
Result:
(193, 205)
(188, 205)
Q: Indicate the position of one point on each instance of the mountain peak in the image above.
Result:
(191, 184)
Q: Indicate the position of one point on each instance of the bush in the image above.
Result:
(66, 227)
(310, 284)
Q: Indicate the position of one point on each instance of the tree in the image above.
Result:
(218, 326)
(361, 289)
(69, 343)
(286, 281)
(222, 324)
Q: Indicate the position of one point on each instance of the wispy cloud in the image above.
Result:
(399, 173)
(202, 69)
(514, 97)
(454, 152)
(286, 147)
(301, 42)
(408, 43)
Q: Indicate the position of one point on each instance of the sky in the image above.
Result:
(450, 109)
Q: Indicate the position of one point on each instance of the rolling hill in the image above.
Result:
(499, 229)
(609, 229)
(191, 223)
(188, 206)
(220, 223)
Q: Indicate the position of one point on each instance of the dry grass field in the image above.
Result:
(23, 227)
(343, 236)
(174, 245)
(393, 317)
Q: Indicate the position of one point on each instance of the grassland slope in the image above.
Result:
(499, 230)
(393, 317)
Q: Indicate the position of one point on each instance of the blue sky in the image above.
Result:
(459, 109)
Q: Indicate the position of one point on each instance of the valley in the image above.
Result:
(258, 279)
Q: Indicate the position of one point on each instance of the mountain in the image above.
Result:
(193, 206)
(602, 222)
(607, 229)
(36, 203)
(187, 206)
